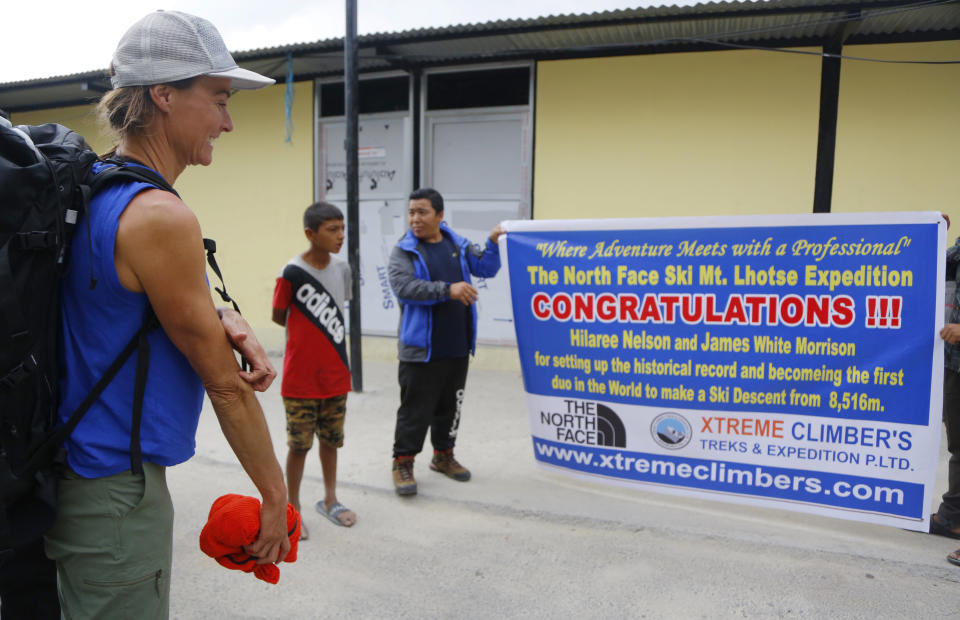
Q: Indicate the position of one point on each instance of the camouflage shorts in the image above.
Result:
(320, 416)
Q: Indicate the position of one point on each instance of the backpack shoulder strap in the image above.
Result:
(122, 171)
(47, 450)
(211, 247)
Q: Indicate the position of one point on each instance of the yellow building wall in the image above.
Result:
(713, 133)
(898, 131)
(250, 199)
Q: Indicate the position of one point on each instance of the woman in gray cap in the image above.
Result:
(142, 248)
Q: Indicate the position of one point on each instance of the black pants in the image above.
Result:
(950, 506)
(431, 394)
(28, 585)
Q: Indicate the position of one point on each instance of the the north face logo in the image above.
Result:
(610, 429)
(586, 423)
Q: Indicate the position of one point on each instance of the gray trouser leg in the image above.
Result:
(950, 506)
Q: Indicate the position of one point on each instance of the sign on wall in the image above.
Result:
(384, 181)
(789, 362)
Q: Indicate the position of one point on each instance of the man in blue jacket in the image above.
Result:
(430, 271)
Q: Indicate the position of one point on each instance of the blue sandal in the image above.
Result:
(335, 511)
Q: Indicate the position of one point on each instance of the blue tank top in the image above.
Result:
(96, 324)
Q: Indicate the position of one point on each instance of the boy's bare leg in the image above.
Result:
(328, 463)
(295, 463)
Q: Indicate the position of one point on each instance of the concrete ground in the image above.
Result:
(519, 541)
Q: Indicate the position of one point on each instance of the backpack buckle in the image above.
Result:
(37, 240)
(19, 372)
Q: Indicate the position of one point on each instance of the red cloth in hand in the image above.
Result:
(234, 522)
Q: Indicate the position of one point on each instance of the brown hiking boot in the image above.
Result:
(403, 481)
(444, 463)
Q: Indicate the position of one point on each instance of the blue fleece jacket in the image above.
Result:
(410, 280)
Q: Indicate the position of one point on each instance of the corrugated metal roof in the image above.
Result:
(712, 25)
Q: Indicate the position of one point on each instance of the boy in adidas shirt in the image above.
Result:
(308, 299)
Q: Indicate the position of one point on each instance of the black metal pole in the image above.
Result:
(827, 134)
(417, 80)
(351, 109)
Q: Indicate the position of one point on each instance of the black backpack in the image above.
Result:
(46, 183)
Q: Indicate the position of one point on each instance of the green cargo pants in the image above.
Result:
(112, 542)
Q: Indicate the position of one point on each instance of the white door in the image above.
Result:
(479, 161)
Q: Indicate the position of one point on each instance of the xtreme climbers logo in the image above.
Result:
(671, 430)
(586, 423)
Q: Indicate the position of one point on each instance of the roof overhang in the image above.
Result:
(712, 26)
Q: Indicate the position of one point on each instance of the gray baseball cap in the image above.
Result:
(168, 46)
